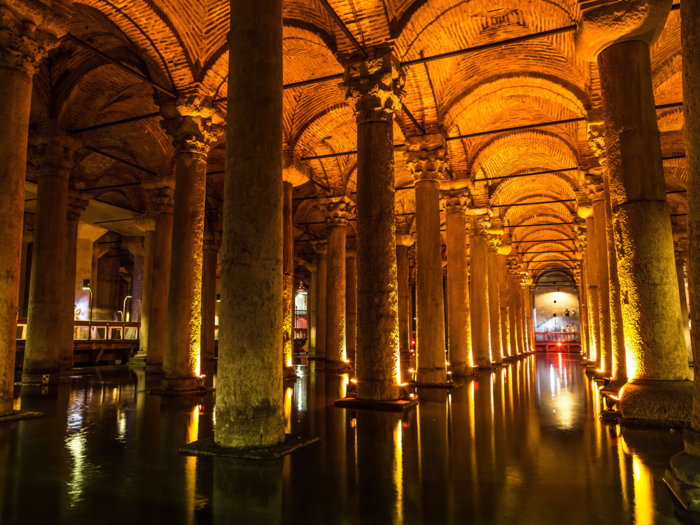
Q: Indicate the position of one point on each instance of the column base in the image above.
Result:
(399, 405)
(338, 366)
(289, 374)
(40, 376)
(613, 388)
(19, 415)
(462, 369)
(431, 376)
(181, 387)
(656, 402)
(209, 447)
(683, 474)
(448, 384)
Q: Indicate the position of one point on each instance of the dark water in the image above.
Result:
(521, 446)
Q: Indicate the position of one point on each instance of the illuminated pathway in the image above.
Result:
(521, 445)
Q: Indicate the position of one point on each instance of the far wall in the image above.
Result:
(545, 307)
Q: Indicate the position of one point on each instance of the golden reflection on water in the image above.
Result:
(398, 472)
(288, 395)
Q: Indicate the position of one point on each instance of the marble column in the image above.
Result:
(374, 88)
(527, 302)
(30, 30)
(479, 294)
(249, 399)
(351, 303)
(311, 308)
(680, 272)
(337, 211)
(321, 249)
(190, 121)
(579, 274)
(77, 202)
(519, 311)
(512, 307)
(212, 244)
(54, 154)
(656, 360)
(403, 245)
(25, 264)
(503, 302)
(148, 226)
(287, 278)
(494, 301)
(137, 248)
(597, 195)
(426, 162)
(458, 311)
(592, 298)
(161, 193)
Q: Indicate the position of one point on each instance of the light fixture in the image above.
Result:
(218, 298)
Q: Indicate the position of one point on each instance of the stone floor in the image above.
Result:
(521, 445)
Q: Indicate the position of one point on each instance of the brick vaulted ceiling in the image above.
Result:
(179, 42)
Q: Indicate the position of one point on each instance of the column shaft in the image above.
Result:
(458, 292)
(321, 302)
(288, 276)
(479, 295)
(431, 323)
(503, 303)
(68, 311)
(512, 317)
(494, 306)
(160, 287)
(351, 304)
(209, 304)
(404, 303)
(519, 315)
(335, 302)
(250, 409)
(603, 286)
(592, 299)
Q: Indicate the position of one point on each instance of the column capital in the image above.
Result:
(52, 151)
(405, 239)
(192, 121)
(336, 210)
(321, 248)
(77, 204)
(135, 246)
(294, 171)
(374, 86)
(426, 157)
(608, 22)
(212, 242)
(90, 232)
(594, 185)
(595, 134)
(350, 254)
(455, 201)
(30, 29)
(481, 225)
(161, 193)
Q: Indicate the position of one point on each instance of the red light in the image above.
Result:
(413, 342)
(558, 344)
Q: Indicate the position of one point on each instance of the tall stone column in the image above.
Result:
(321, 249)
(212, 243)
(161, 193)
(494, 300)
(137, 248)
(54, 155)
(30, 30)
(190, 122)
(25, 264)
(581, 243)
(403, 245)
(426, 162)
(479, 293)
(87, 235)
(147, 225)
(311, 315)
(458, 311)
(77, 202)
(512, 307)
(519, 311)
(681, 256)
(375, 88)
(527, 301)
(592, 299)
(250, 405)
(337, 211)
(656, 360)
(351, 303)
(503, 302)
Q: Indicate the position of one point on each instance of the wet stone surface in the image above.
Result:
(522, 445)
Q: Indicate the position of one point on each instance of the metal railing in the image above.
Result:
(95, 330)
(557, 337)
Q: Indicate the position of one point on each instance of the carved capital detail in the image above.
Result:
(427, 157)
(455, 201)
(374, 86)
(29, 29)
(77, 204)
(595, 186)
(337, 210)
(481, 225)
(161, 193)
(52, 152)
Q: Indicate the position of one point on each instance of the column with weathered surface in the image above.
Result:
(249, 400)
(311, 307)
(592, 298)
(494, 300)
(513, 294)
(684, 475)
(77, 202)
(403, 245)
(161, 193)
(656, 360)
(351, 303)
(479, 293)
(147, 225)
(527, 301)
(54, 153)
(337, 211)
(137, 249)
(321, 249)
(519, 310)
(375, 89)
(190, 121)
(503, 301)
(29, 30)
(458, 311)
(681, 256)
(212, 244)
(426, 162)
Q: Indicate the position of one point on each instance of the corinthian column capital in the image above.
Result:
(337, 210)
(427, 157)
(374, 86)
(161, 193)
(454, 201)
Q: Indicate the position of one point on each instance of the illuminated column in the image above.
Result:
(22, 48)
(374, 89)
(212, 243)
(189, 121)
(161, 193)
(148, 226)
(578, 277)
(512, 308)
(55, 156)
(503, 251)
(77, 202)
(681, 256)
(479, 293)
(321, 249)
(351, 302)
(494, 300)
(581, 243)
(426, 162)
(592, 299)
(249, 399)
(527, 297)
(27, 238)
(519, 311)
(311, 307)
(403, 244)
(337, 211)
(458, 318)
